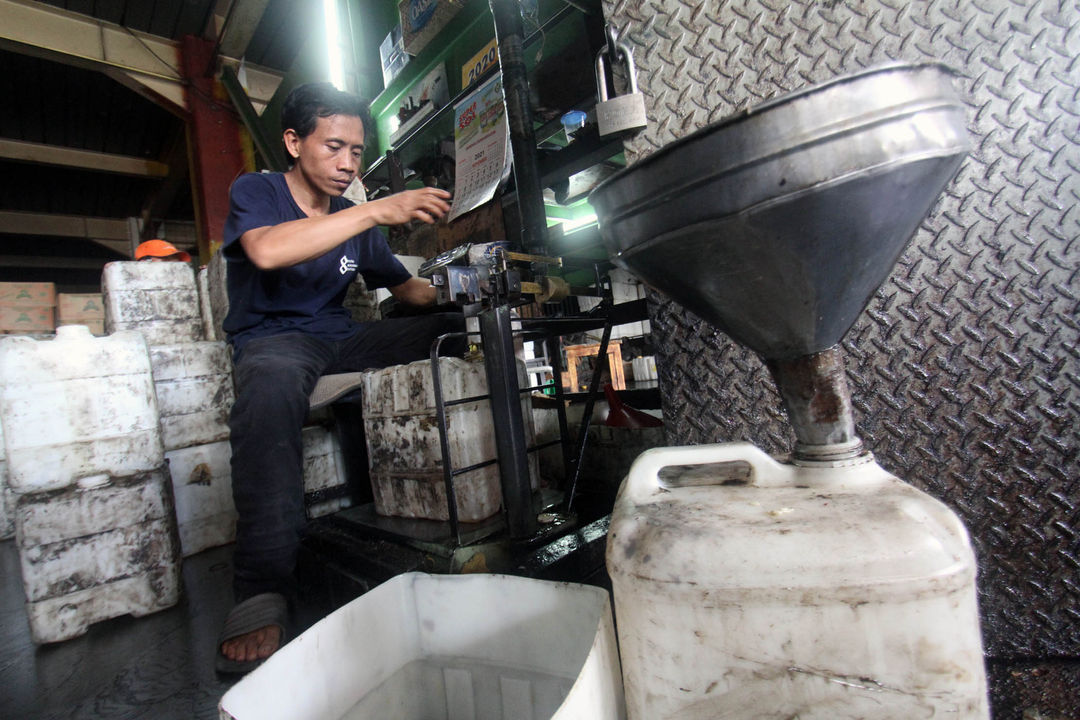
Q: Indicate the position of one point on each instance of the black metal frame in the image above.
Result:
(571, 462)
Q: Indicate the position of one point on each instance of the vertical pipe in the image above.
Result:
(444, 441)
(554, 354)
(501, 366)
(515, 79)
(818, 402)
(586, 418)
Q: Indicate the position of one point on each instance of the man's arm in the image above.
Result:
(297, 241)
(414, 291)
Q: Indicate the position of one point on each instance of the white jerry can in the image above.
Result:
(325, 480)
(194, 387)
(159, 299)
(404, 453)
(202, 490)
(77, 406)
(745, 587)
(95, 551)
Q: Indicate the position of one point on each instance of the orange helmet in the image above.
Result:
(160, 250)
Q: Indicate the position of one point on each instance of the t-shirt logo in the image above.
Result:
(346, 265)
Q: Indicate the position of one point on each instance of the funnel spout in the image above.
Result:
(816, 396)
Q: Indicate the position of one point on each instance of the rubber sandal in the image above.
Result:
(248, 616)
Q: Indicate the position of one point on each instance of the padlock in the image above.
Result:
(621, 114)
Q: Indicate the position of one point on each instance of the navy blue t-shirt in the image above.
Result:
(302, 298)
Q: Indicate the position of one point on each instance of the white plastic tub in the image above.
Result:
(463, 647)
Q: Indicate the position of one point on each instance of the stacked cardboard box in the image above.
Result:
(81, 309)
(27, 307)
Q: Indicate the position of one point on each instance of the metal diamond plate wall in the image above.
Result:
(965, 369)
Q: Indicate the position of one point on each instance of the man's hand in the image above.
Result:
(426, 204)
(414, 291)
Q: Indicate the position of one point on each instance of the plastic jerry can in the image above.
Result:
(158, 299)
(404, 453)
(77, 406)
(746, 587)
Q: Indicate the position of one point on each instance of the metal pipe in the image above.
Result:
(509, 35)
(555, 358)
(818, 402)
(444, 441)
(501, 366)
(586, 419)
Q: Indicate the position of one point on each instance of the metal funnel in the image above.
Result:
(779, 223)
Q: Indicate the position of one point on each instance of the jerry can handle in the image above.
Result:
(643, 483)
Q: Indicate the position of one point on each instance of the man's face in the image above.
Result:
(330, 157)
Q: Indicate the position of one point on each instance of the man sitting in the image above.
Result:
(294, 245)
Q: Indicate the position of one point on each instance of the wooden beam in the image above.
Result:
(91, 228)
(83, 159)
(147, 63)
(59, 262)
(240, 24)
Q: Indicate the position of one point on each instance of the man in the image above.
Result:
(294, 245)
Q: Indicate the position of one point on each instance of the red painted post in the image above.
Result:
(215, 152)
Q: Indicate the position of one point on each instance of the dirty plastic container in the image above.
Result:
(159, 299)
(753, 588)
(404, 452)
(102, 549)
(467, 647)
(194, 387)
(213, 296)
(202, 489)
(77, 406)
(7, 519)
(325, 481)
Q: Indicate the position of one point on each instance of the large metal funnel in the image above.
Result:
(779, 223)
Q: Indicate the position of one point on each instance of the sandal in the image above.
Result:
(248, 616)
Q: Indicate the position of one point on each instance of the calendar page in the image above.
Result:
(482, 144)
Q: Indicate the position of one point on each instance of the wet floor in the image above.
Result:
(158, 667)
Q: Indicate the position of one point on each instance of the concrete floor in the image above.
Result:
(158, 667)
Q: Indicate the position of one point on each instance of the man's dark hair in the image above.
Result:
(306, 103)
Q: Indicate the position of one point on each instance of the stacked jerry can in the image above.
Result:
(93, 512)
(324, 472)
(193, 383)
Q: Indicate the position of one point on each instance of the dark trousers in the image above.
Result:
(274, 377)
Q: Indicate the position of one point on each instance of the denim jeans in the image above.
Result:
(274, 377)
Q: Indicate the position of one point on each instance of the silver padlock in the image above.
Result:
(622, 114)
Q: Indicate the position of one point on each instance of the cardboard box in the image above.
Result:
(421, 20)
(27, 294)
(75, 307)
(81, 309)
(33, 319)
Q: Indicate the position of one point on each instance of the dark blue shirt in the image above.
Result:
(302, 298)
